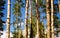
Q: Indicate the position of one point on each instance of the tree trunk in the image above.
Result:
(19, 30)
(59, 5)
(8, 21)
(31, 29)
(38, 19)
(19, 33)
(26, 19)
(17, 20)
(52, 19)
(48, 18)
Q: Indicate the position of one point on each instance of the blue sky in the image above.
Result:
(22, 10)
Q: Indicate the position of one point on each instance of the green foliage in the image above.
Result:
(15, 34)
(17, 8)
(56, 18)
(17, 17)
(17, 11)
(56, 22)
(17, 14)
(33, 27)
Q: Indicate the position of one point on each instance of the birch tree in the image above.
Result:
(8, 20)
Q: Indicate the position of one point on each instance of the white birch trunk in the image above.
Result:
(48, 18)
(26, 19)
(52, 19)
(8, 21)
(38, 19)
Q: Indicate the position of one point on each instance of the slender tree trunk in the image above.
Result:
(16, 26)
(59, 5)
(17, 21)
(26, 19)
(52, 19)
(20, 32)
(48, 17)
(31, 29)
(38, 19)
(8, 21)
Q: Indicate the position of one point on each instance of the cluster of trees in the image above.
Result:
(33, 20)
